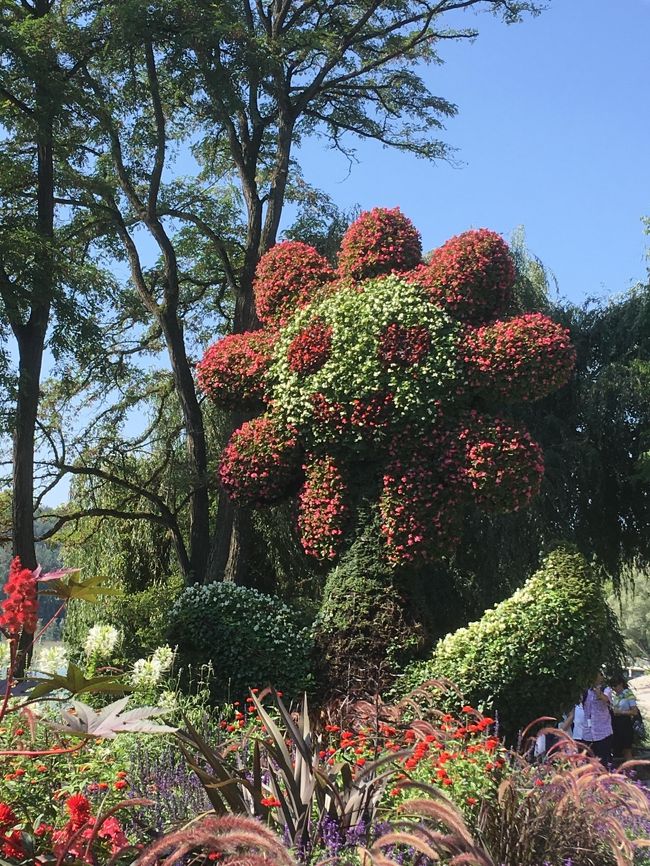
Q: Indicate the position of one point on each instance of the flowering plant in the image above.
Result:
(387, 372)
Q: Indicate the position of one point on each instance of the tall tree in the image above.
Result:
(43, 260)
(241, 84)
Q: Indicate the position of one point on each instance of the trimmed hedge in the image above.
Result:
(251, 639)
(532, 654)
(365, 631)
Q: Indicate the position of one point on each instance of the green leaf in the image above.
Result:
(87, 590)
(76, 683)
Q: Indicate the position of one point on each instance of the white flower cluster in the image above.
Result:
(101, 641)
(50, 660)
(147, 673)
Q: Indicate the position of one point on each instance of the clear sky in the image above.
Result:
(552, 133)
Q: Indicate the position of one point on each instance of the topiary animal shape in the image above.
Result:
(375, 380)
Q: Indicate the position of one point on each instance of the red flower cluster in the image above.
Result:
(19, 609)
(422, 492)
(11, 841)
(368, 415)
(287, 278)
(524, 358)
(505, 467)
(379, 242)
(259, 464)
(403, 346)
(232, 371)
(322, 508)
(311, 348)
(76, 837)
(471, 275)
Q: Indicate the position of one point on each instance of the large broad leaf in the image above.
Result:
(87, 590)
(82, 721)
(76, 683)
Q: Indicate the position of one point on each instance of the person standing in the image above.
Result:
(597, 726)
(624, 709)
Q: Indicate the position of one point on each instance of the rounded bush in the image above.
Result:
(251, 639)
(288, 277)
(533, 654)
(524, 358)
(379, 242)
(259, 464)
(232, 370)
(471, 275)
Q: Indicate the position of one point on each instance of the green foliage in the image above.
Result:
(532, 654)
(250, 638)
(366, 629)
(632, 606)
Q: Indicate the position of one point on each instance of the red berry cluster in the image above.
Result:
(524, 358)
(311, 348)
(404, 346)
(322, 508)
(19, 609)
(232, 371)
(259, 465)
(471, 275)
(505, 466)
(379, 242)
(287, 277)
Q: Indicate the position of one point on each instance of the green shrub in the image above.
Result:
(532, 654)
(250, 638)
(366, 630)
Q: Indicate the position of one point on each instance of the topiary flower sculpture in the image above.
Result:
(378, 381)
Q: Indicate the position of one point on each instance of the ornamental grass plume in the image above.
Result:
(243, 841)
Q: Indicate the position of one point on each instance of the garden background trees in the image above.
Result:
(239, 86)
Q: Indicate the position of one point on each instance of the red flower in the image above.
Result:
(270, 802)
(79, 809)
(19, 609)
(7, 817)
(259, 464)
(524, 358)
(120, 785)
(322, 510)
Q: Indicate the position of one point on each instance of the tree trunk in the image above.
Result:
(31, 341)
(196, 448)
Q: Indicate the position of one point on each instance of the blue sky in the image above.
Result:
(553, 133)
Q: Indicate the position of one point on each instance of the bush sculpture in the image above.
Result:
(379, 382)
(533, 654)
